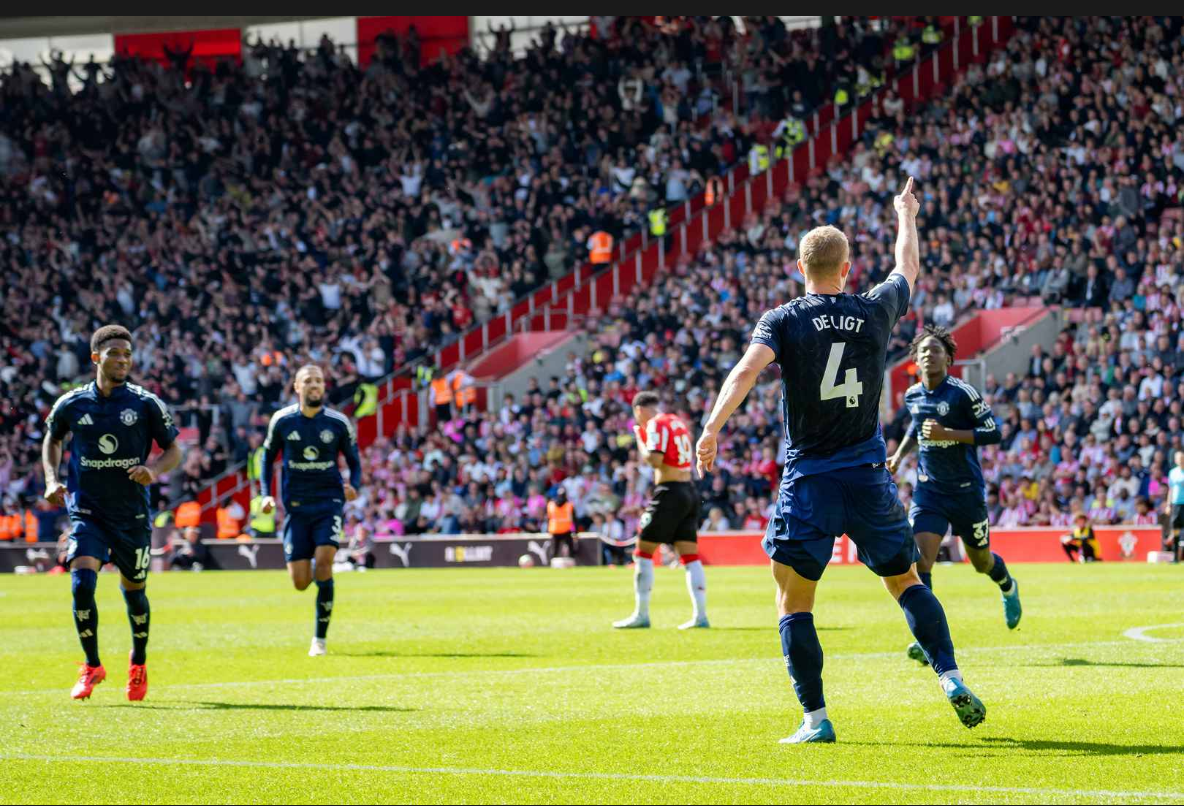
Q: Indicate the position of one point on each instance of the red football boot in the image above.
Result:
(137, 681)
(88, 678)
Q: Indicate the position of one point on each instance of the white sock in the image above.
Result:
(697, 587)
(813, 719)
(953, 674)
(643, 585)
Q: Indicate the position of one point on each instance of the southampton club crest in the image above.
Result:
(326, 436)
(128, 417)
(943, 408)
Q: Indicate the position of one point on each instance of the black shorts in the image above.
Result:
(672, 514)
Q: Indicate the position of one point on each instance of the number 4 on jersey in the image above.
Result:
(851, 388)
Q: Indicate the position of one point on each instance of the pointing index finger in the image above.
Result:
(908, 187)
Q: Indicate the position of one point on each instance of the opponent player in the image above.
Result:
(832, 348)
(952, 420)
(310, 435)
(114, 424)
(672, 515)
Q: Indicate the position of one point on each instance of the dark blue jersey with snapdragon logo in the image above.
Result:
(310, 446)
(947, 466)
(112, 435)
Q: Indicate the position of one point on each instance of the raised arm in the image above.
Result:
(736, 387)
(908, 254)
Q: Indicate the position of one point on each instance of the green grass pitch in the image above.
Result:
(508, 685)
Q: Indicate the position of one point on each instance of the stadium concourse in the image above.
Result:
(1055, 172)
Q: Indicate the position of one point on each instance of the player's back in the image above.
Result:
(667, 434)
(832, 350)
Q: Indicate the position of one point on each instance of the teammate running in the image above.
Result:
(114, 424)
(310, 435)
(952, 420)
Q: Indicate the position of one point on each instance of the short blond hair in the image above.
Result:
(824, 250)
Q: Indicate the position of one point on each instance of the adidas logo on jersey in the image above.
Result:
(294, 436)
(86, 420)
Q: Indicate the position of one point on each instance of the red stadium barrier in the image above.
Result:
(1020, 545)
(208, 46)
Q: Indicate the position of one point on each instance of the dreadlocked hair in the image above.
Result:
(938, 332)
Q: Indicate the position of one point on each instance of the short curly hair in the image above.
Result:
(109, 333)
(938, 332)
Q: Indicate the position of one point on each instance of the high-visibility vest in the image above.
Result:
(902, 51)
(365, 401)
(658, 222)
(424, 375)
(715, 191)
(267, 359)
(931, 35)
(255, 464)
(228, 527)
(188, 514)
(465, 394)
(560, 518)
(842, 97)
(262, 522)
(975, 21)
(442, 391)
(762, 158)
(602, 248)
(30, 526)
(6, 530)
(162, 518)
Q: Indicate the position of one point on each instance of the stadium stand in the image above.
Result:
(294, 208)
(1048, 175)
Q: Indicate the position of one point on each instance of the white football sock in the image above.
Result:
(697, 587)
(813, 719)
(643, 584)
(953, 674)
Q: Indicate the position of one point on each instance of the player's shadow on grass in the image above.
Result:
(394, 653)
(770, 628)
(1084, 662)
(1007, 743)
(252, 706)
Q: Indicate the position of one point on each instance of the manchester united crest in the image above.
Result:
(943, 408)
(128, 417)
(326, 436)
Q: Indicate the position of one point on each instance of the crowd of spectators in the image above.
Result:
(243, 219)
(1051, 217)
(1048, 173)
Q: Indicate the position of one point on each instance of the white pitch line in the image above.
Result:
(605, 776)
(539, 670)
(1138, 634)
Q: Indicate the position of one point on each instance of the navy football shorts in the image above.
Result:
(965, 514)
(860, 502)
(305, 531)
(130, 549)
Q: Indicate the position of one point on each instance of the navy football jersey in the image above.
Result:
(947, 466)
(832, 349)
(310, 445)
(111, 436)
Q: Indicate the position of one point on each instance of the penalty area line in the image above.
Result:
(601, 776)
